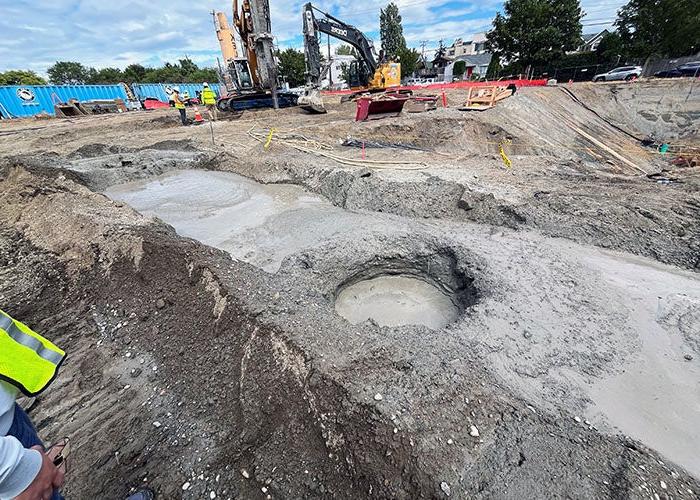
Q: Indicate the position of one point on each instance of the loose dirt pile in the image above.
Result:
(197, 371)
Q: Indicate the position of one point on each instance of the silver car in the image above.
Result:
(621, 73)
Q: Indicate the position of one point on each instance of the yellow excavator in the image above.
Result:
(366, 75)
(250, 80)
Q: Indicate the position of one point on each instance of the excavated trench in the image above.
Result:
(264, 224)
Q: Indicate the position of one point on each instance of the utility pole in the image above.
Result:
(423, 43)
(330, 64)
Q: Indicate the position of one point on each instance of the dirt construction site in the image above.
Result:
(288, 305)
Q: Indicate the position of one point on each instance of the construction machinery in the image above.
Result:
(250, 79)
(369, 73)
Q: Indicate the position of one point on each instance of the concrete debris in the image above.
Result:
(445, 488)
(474, 432)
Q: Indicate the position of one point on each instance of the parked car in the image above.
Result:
(622, 73)
(687, 69)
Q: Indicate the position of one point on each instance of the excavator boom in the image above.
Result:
(369, 73)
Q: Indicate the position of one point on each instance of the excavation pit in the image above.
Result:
(396, 301)
(428, 290)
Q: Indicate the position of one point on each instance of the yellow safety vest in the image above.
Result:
(208, 97)
(178, 102)
(27, 360)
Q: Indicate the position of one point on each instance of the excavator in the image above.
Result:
(370, 73)
(250, 80)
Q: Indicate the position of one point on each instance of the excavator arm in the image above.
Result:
(338, 29)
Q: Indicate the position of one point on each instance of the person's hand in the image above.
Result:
(48, 479)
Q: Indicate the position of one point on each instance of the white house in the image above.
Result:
(476, 66)
(475, 46)
(335, 73)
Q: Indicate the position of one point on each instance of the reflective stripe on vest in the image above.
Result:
(27, 360)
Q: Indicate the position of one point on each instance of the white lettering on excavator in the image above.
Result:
(338, 31)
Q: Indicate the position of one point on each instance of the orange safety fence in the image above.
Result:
(453, 85)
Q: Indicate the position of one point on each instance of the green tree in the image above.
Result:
(494, 67)
(409, 59)
(188, 66)
(292, 66)
(21, 77)
(536, 31)
(458, 69)
(345, 50)
(391, 32)
(611, 48)
(135, 73)
(106, 76)
(440, 53)
(68, 73)
(668, 28)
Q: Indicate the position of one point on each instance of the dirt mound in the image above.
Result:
(440, 130)
(666, 109)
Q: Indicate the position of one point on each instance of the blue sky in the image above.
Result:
(36, 33)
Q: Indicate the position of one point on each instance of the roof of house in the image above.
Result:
(476, 60)
(590, 37)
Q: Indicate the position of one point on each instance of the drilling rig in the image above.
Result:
(250, 79)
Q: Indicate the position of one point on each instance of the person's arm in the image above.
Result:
(19, 467)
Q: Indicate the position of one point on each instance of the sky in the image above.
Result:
(36, 33)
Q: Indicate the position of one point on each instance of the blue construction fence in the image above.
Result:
(18, 101)
(162, 91)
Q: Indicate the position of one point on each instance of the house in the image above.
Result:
(334, 79)
(475, 46)
(590, 42)
(477, 66)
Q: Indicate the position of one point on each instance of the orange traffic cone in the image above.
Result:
(197, 115)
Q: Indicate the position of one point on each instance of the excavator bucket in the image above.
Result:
(312, 101)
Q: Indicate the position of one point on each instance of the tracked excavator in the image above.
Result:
(250, 79)
(369, 74)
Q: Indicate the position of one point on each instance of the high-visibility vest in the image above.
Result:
(208, 96)
(27, 360)
(178, 102)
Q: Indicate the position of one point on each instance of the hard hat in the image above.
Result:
(176, 89)
(205, 84)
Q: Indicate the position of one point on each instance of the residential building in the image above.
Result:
(590, 42)
(475, 46)
(335, 72)
(477, 66)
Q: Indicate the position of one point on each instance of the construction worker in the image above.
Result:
(209, 100)
(28, 363)
(180, 105)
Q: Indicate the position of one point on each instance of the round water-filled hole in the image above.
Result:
(396, 300)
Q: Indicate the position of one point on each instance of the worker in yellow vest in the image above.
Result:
(209, 100)
(28, 364)
(179, 105)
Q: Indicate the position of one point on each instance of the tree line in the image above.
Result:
(75, 73)
(542, 33)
